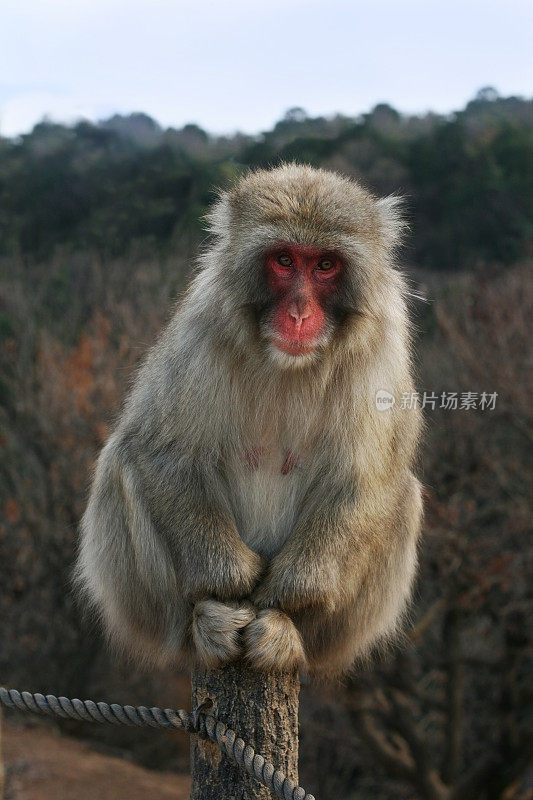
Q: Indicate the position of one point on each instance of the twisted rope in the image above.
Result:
(200, 724)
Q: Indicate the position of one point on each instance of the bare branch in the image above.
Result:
(454, 696)
(429, 617)
(426, 778)
(391, 758)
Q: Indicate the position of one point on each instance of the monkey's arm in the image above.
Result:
(343, 578)
(155, 541)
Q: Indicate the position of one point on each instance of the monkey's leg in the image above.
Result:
(331, 601)
(124, 567)
(145, 578)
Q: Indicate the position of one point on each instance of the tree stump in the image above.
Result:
(263, 710)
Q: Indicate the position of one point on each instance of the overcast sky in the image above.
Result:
(239, 64)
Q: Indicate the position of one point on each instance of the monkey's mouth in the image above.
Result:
(293, 348)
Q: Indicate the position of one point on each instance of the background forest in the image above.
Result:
(99, 226)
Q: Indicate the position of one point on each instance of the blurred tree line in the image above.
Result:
(99, 225)
(125, 181)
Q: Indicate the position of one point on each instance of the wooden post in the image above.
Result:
(263, 710)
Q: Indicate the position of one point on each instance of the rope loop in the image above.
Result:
(197, 723)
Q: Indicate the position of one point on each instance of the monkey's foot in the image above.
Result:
(215, 630)
(272, 642)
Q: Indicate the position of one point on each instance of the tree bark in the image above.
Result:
(263, 710)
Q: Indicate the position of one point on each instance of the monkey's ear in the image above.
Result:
(393, 226)
(218, 218)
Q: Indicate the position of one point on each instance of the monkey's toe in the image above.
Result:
(272, 642)
(215, 630)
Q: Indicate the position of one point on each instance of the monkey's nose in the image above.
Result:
(298, 316)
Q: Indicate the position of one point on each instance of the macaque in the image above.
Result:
(254, 501)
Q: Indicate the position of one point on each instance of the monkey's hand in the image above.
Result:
(272, 642)
(216, 630)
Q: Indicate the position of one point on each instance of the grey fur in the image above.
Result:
(177, 515)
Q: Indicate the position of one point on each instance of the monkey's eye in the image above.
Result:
(285, 260)
(325, 265)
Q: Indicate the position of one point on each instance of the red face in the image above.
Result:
(302, 279)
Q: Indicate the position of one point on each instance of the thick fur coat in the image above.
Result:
(197, 542)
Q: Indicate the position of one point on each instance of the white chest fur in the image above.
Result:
(264, 500)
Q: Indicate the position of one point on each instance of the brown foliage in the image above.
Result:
(443, 718)
(448, 714)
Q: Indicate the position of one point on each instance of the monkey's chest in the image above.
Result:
(264, 489)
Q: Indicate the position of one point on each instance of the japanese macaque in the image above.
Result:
(253, 502)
